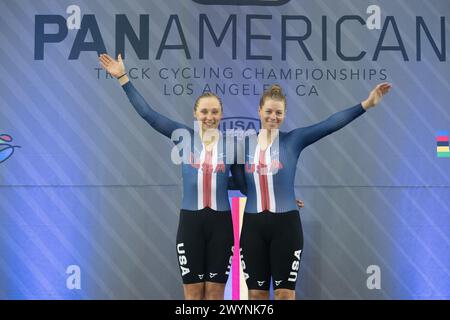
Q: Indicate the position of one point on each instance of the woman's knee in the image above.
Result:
(194, 291)
(214, 291)
(284, 294)
(258, 295)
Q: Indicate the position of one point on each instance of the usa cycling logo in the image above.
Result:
(6, 149)
(244, 2)
(240, 125)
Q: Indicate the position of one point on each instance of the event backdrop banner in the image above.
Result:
(89, 198)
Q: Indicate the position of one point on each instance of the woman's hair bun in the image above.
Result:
(276, 90)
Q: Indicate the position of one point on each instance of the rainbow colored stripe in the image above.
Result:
(443, 150)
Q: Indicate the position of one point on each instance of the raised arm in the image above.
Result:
(305, 136)
(159, 122)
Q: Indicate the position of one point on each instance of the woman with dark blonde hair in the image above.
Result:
(205, 232)
(272, 238)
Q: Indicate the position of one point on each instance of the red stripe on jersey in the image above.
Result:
(263, 183)
(207, 179)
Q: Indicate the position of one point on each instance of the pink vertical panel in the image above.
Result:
(236, 258)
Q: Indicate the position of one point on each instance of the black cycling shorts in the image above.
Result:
(271, 246)
(204, 245)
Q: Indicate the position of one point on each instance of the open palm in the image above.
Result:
(378, 92)
(114, 67)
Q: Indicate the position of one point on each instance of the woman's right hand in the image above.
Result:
(376, 95)
(116, 68)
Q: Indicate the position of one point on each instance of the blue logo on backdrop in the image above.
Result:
(244, 125)
(6, 149)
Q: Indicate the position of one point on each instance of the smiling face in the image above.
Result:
(272, 113)
(208, 111)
